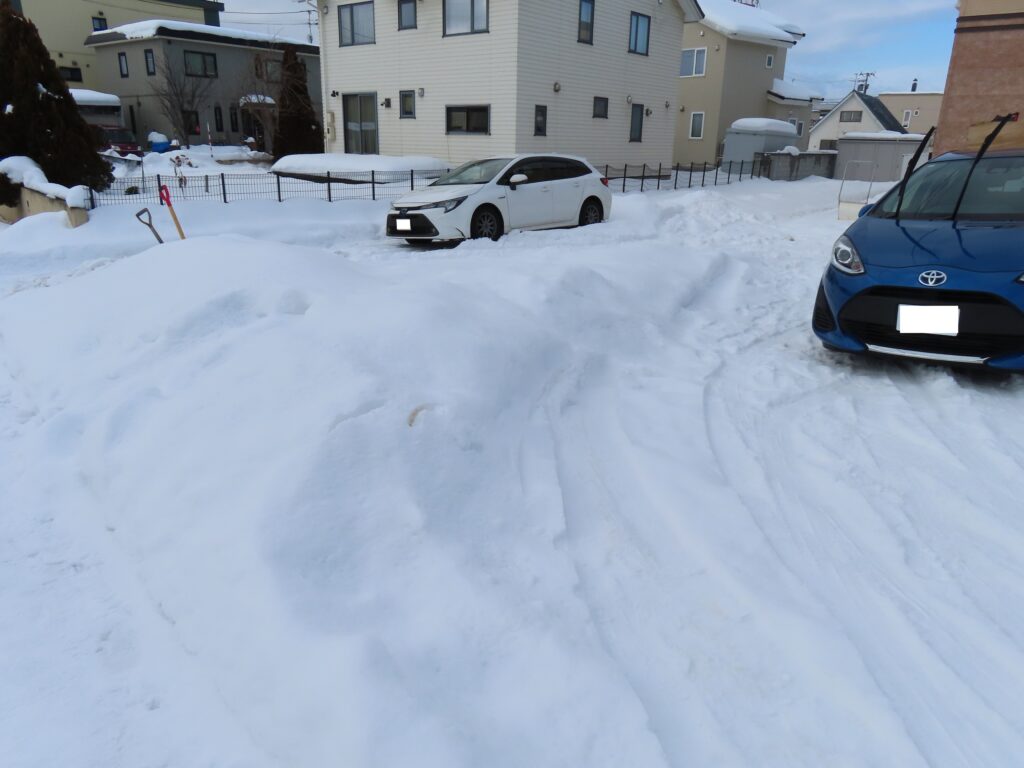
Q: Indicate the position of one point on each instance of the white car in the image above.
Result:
(489, 198)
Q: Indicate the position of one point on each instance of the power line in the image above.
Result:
(262, 13)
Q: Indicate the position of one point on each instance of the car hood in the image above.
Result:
(977, 246)
(436, 195)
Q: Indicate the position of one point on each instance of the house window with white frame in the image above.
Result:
(697, 125)
(694, 62)
(798, 124)
(907, 114)
(769, 61)
(851, 116)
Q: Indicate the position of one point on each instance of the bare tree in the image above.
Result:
(180, 97)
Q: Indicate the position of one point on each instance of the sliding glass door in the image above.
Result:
(360, 113)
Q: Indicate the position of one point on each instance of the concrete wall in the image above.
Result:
(548, 52)
(530, 45)
(236, 78)
(985, 69)
(65, 24)
(32, 202)
(924, 109)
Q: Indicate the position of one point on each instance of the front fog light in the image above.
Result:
(845, 257)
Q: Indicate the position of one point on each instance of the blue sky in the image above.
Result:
(897, 39)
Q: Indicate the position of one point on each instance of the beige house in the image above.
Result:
(857, 113)
(236, 72)
(65, 24)
(732, 66)
(917, 111)
(464, 79)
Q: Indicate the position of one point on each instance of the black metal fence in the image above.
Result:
(388, 185)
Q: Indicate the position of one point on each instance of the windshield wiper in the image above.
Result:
(910, 170)
(1010, 118)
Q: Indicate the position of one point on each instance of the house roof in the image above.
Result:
(187, 30)
(750, 23)
(790, 91)
(691, 10)
(874, 105)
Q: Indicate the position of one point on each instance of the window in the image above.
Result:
(200, 64)
(827, 144)
(407, 14)
(218, 119)
(798, 124)
(586, 28)
(407, 103)
(639, 33)
(355, 24)
(636, 123)
(697, 125)
(71, 74)
(190, 118)
(465, 17)
(468, 119)
(601, 107)
(150, 61)
(769, 61)
(907, 114)
(853, 116)
(122, 63)
(694, 63)
(233, 117)
(98, 23)
(540, 120)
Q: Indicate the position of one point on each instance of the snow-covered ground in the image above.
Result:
(195, 161)
(287, 494)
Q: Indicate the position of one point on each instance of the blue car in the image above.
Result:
(935, 269)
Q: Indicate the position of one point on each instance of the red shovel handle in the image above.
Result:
(165, 195)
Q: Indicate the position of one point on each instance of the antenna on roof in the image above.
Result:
(751, 3)
(862, 81)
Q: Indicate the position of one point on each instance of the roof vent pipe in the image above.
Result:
(913, 86)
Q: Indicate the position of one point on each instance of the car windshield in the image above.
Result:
(477, 172)
(995, 192)
(119, 136)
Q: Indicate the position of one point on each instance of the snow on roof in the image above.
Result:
(911, 93)
(94, 98)
(763, 125)
(25, 171)
(747, 22)
(883, 135)
(790, 90)
(336, 162)
(256, 98)
(140, 30)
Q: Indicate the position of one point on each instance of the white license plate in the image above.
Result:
(403, 225)
(938, 321)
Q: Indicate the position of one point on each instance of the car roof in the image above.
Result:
(971, 155)
(524, 155)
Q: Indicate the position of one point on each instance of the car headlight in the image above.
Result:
(448, 205)
(845, 257)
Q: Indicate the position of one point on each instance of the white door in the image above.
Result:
(530, 204)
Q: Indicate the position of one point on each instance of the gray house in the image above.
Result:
(215, 81)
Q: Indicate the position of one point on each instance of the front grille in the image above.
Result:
(822, 320)
(989, 325)
(421, 226)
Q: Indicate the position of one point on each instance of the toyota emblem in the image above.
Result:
(932, 278)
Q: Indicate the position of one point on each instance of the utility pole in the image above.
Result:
(309, 17)
(862, 81)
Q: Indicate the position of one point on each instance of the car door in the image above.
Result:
(530, 203)
(567, 187)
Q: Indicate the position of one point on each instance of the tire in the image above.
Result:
(486, 223)
(591, 212)
(410, 241)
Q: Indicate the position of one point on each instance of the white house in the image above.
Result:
(857, 113)
(463, 79)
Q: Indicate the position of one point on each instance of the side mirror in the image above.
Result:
(865, 210)
(517, 179)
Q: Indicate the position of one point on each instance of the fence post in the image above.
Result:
(704, 174)
(412, 181)
(206, 184)
(223, 188)
(689, 184)
(159, 184)
(718, 167)
(728, 176)
(675, 177)
(643, 176)
(659, 175)
(278, 177)
(625, 169)
(373, 184)
(741, 171)
(329, 198)
(92, 198)
(606, 170)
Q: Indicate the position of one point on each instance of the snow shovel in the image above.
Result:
(148, 221)
(165, 195)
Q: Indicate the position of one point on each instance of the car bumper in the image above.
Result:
(858, 314)
(429, 224)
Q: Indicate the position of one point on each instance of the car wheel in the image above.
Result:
(410, 241)
(591, 212)
(486, 223)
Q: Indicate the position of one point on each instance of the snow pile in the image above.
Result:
(883, 135)
(83, 96)
(747, 22)
(763, 125)
(140, 30)
(257, 99)
(343, 163)
(791, 90)
(157, 138)
(25, 171)
(791, 150)
(198, 161)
